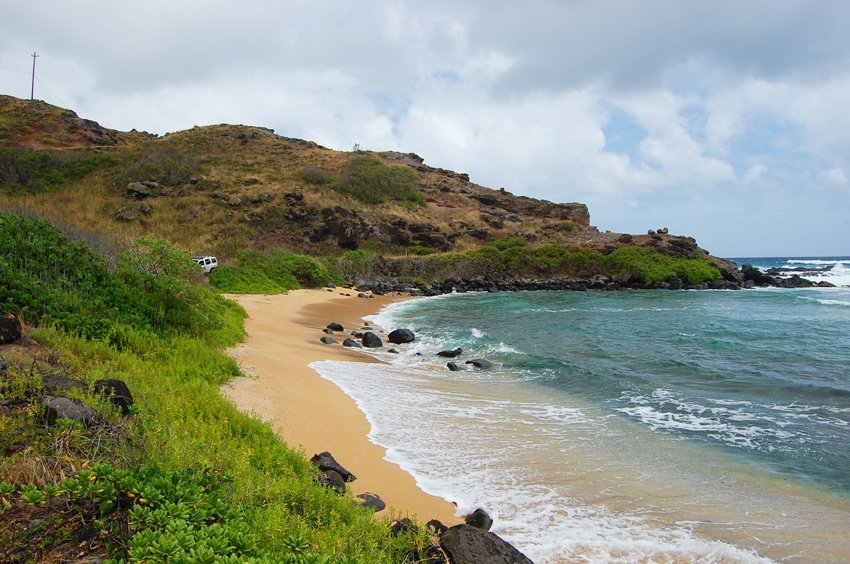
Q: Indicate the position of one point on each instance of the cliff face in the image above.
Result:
(216, 189)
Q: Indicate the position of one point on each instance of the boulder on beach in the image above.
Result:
(401, 336)
(351, 343)
(372, 341)
(372, 501)
(328, 331)
(329, 340)
(469, 545)
(326, 461)
(480, 363)
(335, 326)
(453, 366)
(451, 354)
(479, 519)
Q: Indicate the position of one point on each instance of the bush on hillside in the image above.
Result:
(33, 171)
(369, 180)
(269, 272)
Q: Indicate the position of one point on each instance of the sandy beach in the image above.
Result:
(309, 412)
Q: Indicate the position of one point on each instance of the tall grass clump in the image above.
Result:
(367, 179)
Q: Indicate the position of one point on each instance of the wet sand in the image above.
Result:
(309, 412)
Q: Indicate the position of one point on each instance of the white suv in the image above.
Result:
(207, 263)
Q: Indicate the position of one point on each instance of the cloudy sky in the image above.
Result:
(725, 120)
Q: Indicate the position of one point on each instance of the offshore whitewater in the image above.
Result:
(630, 426)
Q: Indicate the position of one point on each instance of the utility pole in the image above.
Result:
(32, 91)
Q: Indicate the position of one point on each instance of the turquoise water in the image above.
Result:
(628, 426)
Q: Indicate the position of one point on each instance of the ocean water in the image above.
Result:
(651, 426)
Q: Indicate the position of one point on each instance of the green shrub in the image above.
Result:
(648, 265)
(270, 272)
(32, 171)
(369, 180)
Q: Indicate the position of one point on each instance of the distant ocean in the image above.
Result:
(630, 426)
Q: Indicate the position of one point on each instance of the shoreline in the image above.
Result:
(311, 414)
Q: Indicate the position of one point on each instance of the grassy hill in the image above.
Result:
(226, 189)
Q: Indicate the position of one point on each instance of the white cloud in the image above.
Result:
(739, 109)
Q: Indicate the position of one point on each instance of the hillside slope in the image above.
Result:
(216, 189)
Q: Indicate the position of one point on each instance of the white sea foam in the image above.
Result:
(463, 445)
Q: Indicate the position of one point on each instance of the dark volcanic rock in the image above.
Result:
(328, 331)
(56, 384)
(480, 363)
(450, 354)
(117, 391)
(401, 336)
(335, 327)
(351, 343)
(453, 366)
(10, 330)
(402, 526)
(371, 500)
(393, 351)
(479, 519)
(437, 525)
(326, 461)
(329, 340)
(73, 409)
(372, 341)
(357, 334)
(468, 545)
(332, 480)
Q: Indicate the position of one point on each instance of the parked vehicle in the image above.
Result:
(207, 263)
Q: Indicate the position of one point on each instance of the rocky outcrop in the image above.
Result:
(332, 480)
(464, 544)
(513, 208)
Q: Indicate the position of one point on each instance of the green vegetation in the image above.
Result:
(648, 265)
(31, 171)
(269, 272)
(46, 278)
(511, 258)
(369, 180)
(188, 477)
